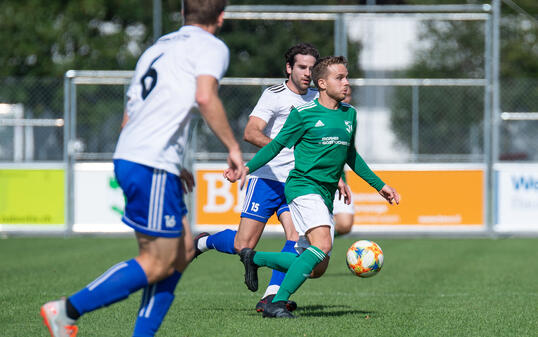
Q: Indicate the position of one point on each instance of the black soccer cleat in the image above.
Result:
(260, 306)
(197, 238)
(251, 269)
(277, 310)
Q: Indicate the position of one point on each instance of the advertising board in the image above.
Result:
(433, 197)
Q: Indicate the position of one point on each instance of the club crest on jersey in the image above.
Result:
(349, 126)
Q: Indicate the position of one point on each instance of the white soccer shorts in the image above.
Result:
(307, 212)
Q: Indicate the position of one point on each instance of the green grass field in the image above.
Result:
(428, 287)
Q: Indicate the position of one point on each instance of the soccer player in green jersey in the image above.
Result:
(344, 210)
(322, 133)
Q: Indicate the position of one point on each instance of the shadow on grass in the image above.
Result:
(316, 310)
(345, 273)
(328, 311)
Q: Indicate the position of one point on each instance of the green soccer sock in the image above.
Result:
(280, 261)
(298, 272)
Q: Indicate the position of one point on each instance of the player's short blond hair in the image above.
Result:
(204, 12)
(320, 68)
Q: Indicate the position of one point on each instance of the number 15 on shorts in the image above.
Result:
(254, 207)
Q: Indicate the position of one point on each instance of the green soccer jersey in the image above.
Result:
(323, 141)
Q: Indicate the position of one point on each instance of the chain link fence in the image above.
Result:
(519, 120)
(413, 123)
(31, 112)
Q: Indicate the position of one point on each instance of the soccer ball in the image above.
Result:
(364, 258)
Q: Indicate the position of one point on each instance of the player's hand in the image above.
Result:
(231, 176)
(236, 166)
(390, 194)
(187, 180)
(344, 191)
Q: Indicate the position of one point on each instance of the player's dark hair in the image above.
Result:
(204, 12)
(300, 48)
(320, 68)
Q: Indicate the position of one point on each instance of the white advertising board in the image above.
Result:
(99, 201)
(516, 204)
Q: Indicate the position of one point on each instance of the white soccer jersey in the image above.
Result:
(273, 107)
(162, 94)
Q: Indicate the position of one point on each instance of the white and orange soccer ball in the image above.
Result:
(364, 258)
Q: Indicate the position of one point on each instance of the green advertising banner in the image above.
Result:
(32, 196)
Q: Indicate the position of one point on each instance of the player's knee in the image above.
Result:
(240, 245)
(343, 223)
(157, 268)
(325, 246)
(342, 229)
(159, 271)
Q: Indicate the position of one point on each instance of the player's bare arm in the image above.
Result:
(187, 180)
(213, 112)
(254, 132)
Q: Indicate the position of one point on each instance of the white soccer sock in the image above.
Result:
(202, 244)
(271, 290)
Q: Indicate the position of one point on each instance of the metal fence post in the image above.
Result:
(69, 159)
(340, 35)
(415, 122)
(495, 109)
(488, 175)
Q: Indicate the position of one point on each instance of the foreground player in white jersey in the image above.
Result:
(181, 70)
(265, 191)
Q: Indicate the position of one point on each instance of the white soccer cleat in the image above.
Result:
(56, 320)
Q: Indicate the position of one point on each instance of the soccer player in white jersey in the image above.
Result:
(178, 72)
(265, 191)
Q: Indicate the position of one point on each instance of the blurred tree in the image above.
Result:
(46, 38)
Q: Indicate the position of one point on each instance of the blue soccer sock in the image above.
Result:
(114, 285)
(222, 241)
(156, 300)
(277, 276)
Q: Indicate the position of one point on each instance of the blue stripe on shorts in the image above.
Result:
(263, 198)
(154, 199)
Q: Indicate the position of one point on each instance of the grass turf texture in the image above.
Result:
(428, 287)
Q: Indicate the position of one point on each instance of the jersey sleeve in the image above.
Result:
(264, 109)
(264, 155)
(359, 166)
(213, 59)
(292, 130)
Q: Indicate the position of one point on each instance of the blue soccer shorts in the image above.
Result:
(263, 198)
(154, 199)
